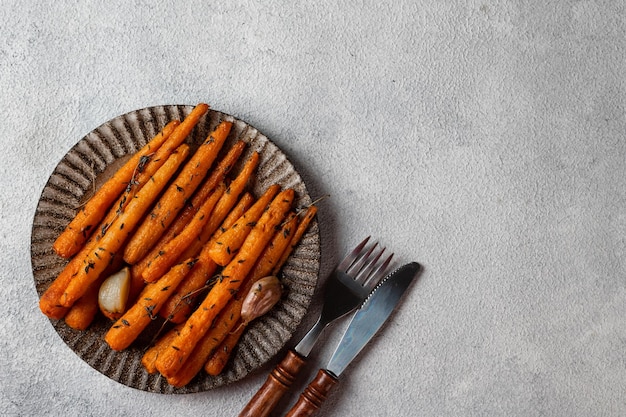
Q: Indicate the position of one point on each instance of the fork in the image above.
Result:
(346, 288)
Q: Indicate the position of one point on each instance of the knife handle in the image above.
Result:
(313, 395)
(275, 386)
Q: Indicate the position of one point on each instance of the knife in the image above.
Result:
(366, 322)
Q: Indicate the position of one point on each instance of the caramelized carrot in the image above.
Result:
(230, 315)
(169, 253)
(185, 216)
(224, 206)
(223, 249)
(174, 198)
(136, 319)
(178, 307)
(80, 228)
(226, 286)
(117, 232)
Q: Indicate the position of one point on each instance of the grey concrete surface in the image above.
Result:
(484, 139)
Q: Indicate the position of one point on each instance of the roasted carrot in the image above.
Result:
(137, 283)
(145, 166)
(83, 224)
(201, 352)
(223, 249)
(218, 360)
(149, 358)
(179, 305)
(84, 310)
(223, 167)
(149, 165)
(136, 319)
(181, 132)
(270, 263)
(174, 198)
(118, 231)
(50, 302)
(263, 296)
(224, 206)
(303, 225)
(169, 253)
(226, 286)
(192, 207)
(230, 315)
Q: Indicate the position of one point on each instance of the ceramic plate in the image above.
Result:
(89, 162)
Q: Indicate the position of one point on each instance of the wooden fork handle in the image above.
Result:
(276, 385)
(313, 395)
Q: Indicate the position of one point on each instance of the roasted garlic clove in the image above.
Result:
(261, 298)
(113, 294)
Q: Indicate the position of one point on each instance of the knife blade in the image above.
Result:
(365, 323)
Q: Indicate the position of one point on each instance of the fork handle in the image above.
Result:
(313, 395)
(276, 385)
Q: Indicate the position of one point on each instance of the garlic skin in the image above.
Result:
(264, 295)
(113, 294)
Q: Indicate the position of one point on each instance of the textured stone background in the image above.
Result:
(483, 139)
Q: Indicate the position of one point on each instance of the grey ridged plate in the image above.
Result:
(73, 181)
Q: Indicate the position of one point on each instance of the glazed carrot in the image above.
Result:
(270, 261)
(202, 193)
(85, 309)
(267, 265)
(218, 360)
(309, 214)
(201, 352)
(192, 207)
(144, 171)
(222, 250)
(137, 284)
(118, 231)
(179, 305)
(149, 165)
(50, 303)
(181, 132)
(245, 202)
(136, 319)
(224, 206)
(203, 349)
(169, 253)
(228, 317)
(174, 198)
(173, 134)
(82, 226)
(226, 286)
(149, 358)
(224, 165)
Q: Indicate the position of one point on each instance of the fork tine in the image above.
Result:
(368, 268)
(361, 262)
(352, 256)
(377, 275)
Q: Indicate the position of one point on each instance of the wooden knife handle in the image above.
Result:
(275, 386)
(313, 395)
